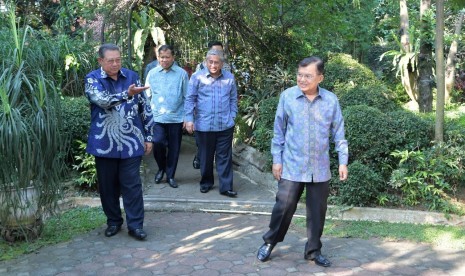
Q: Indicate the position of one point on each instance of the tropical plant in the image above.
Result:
(31, 145)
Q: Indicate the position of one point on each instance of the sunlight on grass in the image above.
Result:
(452, 237)
(57, 229)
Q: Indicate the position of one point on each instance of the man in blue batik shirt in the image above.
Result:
(210, 110)
(168, 86)
(120, 134)
(306, 117)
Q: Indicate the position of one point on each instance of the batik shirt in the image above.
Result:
(302, 131)
(211, 103)
(167, 93)
(119, 124)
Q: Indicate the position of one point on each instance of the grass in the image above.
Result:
(452, 237)
(59, 228)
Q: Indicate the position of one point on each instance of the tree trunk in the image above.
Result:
(425, 62)
(451, 60)
(439, 126)
(408, 76)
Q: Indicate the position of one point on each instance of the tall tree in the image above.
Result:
(425, 60)
(439, 126)
(451, 58)
(407, 63)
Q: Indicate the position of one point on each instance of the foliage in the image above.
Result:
(76, 121)
(85, 165)
(374, 96)
(420, 180)
(369, 134)
(30, 115)
(59, 228)
(361, 188)
(264, 130)
(411, 131)
(342, 71)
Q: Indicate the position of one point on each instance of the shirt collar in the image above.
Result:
(209, 75)
(301, 94)
(104, 74)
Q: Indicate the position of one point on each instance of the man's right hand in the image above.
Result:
(277, 171)
(133, 90)
(189, 127)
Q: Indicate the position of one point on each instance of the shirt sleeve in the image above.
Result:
(233, 99)
(146, 114)
(98, 95)
(338, 134)
(191, 99)
(279, 132)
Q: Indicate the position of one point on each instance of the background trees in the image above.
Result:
(264, 40)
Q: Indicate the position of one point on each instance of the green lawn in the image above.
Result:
(437, 235)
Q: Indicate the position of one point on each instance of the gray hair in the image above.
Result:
(107, 47)
(215, 53)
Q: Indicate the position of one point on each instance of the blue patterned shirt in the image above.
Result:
(119, 124)
(167, 92)
(302, 130)
(211, 103)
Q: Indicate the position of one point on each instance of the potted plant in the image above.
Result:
(30, 143)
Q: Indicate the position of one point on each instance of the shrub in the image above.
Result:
(85, 165)
(368, 132)
(76, 121)
(374, 96)
(361, 188)
(342, 69)
(411, 131)
(264, 125)
(420, 180)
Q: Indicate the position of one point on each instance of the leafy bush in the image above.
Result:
(342, 69)
(369, 134)
(420, 180)
(85, 165)
(374, 96)
(264, 125)
(76, 121)
(361, 188)
(411, 131)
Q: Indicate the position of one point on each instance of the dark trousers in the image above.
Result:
(166, 146)
(288, 195)
(216, 145)
(121, 177)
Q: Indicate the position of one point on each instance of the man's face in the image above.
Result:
(166, 59)
(308, 78)
(111, 62)
(214, 65)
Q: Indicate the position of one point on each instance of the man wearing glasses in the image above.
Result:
(306, 117)
(120, 134)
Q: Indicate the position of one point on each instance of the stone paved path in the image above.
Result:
(207, 234)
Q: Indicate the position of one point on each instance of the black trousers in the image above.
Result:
(166, 146)
(121, 177)
(287, 197)
(216, 146)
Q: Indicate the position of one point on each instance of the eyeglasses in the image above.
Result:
(305, 76)
(112, 61)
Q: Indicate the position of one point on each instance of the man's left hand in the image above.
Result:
(147, 147)
(343, 172)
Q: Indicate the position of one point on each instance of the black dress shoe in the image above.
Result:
(264, 252)
(320, 260)
(172, 183)
(204, 189)
(138, 234)
(112, 230)
(196, 162)
(159, 176)
(229, 193)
